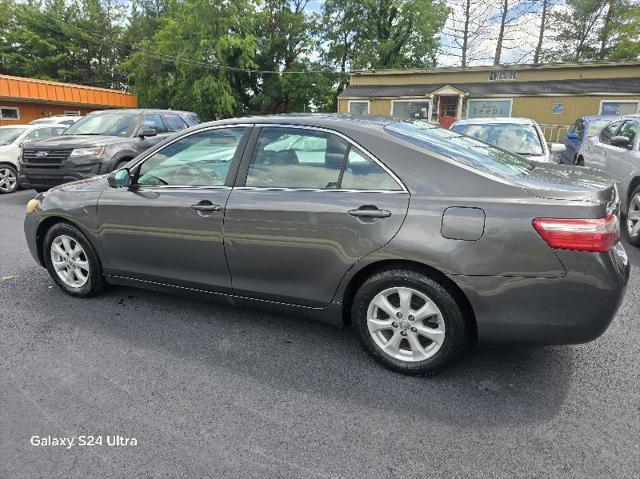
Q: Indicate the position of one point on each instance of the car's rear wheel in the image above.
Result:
(409, 322)
(72, 262)
(633, 217)
(8, 179)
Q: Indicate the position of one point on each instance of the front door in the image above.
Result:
(312, 206)
(447, 110)
(168, 226)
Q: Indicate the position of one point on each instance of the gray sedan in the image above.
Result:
(424, 240)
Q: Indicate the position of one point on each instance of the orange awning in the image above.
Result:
(31, 90)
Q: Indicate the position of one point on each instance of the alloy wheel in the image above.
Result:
(70, 261)
(633, 216)
(406, 324)
(8, 180)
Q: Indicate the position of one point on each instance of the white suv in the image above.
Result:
(517, 135)
(11, 140)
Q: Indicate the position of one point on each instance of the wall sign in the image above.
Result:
(503, 75)
(557, 108)
(489, 108)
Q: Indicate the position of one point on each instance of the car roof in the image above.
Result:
(502, 119)
(142, 111)
(600, 117)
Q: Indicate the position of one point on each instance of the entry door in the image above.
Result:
(447, 110)
(313, 205)
(168, 226)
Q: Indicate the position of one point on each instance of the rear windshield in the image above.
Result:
(515, 137)
(463, 149)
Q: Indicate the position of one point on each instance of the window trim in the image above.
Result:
(469, 100)
(234, 166)
(368, 102)
(637, 102)
(14, 108)
(241, 179)
(410, 100)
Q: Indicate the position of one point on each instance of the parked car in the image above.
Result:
(11, 141)
(99, 143)
(423, 239)
(615, 150)
(517, 135)
(583, 128)
(58, 120)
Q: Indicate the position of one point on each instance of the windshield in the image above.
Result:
(9, 135)
(596, 125)
(116, 123)
(513, 137)
(463, 149)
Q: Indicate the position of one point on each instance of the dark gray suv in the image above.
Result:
(99, 143)
(422, 238)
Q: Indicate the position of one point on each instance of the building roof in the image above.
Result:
(502, 88)
(480, 68)
(32, 90)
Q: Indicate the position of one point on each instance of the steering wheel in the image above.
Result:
(189, 170)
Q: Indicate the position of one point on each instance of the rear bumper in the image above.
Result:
(576, 308)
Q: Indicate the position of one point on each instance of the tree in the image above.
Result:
(468, 30)
(510, 11)
(545, 7)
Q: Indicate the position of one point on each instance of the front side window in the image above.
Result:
(201, 159)
(359, 107)
(113, 123)
(9, 135)
(609, 131)
(462, 149)
(596, 126)
(153, 120)
(521, 139)
(174, 122)
(630, 130)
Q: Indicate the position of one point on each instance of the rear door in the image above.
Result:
(167, 227)
(308, 205)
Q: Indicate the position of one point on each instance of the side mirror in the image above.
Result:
(557, 148)
(120, 178)
(147, 132)
(621, 141)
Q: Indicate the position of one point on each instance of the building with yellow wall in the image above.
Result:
(551, 94)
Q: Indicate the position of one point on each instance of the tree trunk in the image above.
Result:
(538, 53)
(465, 33)
(503, 20)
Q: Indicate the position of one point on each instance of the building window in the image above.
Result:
(359, 107)
(9, 113)
(489, 108)
(72, 112)
(410, 109)
(618, 108)
(503, 75)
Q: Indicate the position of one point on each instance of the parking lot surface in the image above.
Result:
(212, 391)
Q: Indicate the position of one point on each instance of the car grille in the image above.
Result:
(44, 158)
(44, 181)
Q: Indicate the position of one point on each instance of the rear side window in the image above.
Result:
(174, 122)
(153, 120)
(192, 120)
(309, 159)
(462, 149)
(609, 131)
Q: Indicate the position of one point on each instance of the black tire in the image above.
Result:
(95, 282)
(9, 170)
(120, 164)
(456, 326)
(633, 239)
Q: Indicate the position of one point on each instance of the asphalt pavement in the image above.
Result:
(212, 391)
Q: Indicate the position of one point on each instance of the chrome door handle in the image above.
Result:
(370, 212)
(206, 207)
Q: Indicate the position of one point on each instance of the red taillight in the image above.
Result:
(599, 235)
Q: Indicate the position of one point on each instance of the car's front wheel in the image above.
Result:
(409, 322)
(633, 217)
(72, 262)
(8, 179)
